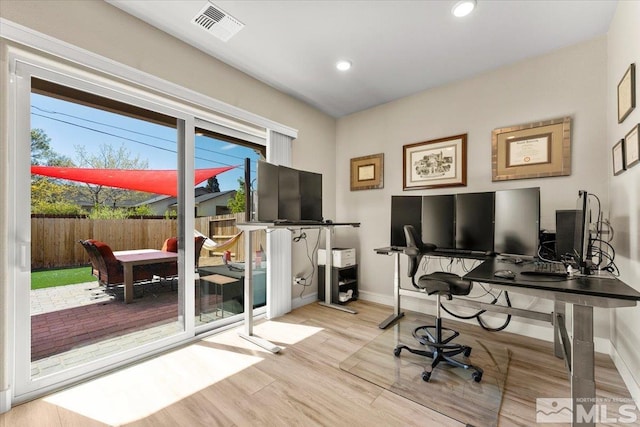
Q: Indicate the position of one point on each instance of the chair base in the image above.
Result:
(440, 349)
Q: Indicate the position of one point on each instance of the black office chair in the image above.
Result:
(439, 283)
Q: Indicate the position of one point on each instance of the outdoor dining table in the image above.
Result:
(130, 258)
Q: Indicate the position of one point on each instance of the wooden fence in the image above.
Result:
(54, 241)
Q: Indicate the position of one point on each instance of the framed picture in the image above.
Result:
(533, 150)
(367, 172)
(632, 147)
(434, 164)
(627, 93)
(617, 153)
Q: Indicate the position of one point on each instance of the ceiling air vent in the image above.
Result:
(217, 22)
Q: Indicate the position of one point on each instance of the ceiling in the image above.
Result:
(397, 47)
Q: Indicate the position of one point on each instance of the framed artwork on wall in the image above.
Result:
(617, 152)
(533, 150)
(632, 147)
(627, 93)
(367, 172)
(435, 164)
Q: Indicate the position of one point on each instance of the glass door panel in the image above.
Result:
(104, 276)
(219, 206)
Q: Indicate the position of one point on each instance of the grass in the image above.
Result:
(61, 277)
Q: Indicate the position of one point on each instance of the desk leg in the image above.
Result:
(397, 314)
(328, 273)
(248, 299)
(558, 309)
(128, 282)
(583, 386)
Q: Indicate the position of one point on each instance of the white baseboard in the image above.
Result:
(632, 385)
(306, 299)
(5, 400)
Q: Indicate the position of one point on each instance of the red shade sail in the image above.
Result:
(150, 181)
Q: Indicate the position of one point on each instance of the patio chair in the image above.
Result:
(106, 268)
(171, 245)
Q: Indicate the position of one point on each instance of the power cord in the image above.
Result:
(307, 280)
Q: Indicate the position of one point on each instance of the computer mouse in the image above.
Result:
(504, 274)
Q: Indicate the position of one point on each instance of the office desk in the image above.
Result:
(139, 257)
(249, 228)
(583, 293)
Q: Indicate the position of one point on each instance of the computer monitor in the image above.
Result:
(405, 210)
(438, 225)
(268, 194)
(517, 221)
(474, 221)
(582, 234)
(286, 193)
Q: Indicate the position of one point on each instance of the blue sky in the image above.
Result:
(69, 125)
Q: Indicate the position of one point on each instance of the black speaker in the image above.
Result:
(565, 233)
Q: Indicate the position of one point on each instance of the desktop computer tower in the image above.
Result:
(565, 233)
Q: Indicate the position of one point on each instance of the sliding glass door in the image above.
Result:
(99, 193)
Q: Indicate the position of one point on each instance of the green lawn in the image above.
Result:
(61, 277)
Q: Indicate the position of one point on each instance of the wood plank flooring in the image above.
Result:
(301, 386)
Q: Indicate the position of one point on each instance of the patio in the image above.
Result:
(75, 323)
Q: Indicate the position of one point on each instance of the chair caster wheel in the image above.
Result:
(426, 376)
(396, 351)
(477, 376)
(467, 352)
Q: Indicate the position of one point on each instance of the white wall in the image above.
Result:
(569, 82)
(624, 190)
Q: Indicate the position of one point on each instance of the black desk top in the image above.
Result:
(591, 286)
(448, 254)
(293, 223)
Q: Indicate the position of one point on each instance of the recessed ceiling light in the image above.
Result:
(343, 65)
(463, 8)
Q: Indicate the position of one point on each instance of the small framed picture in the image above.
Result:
(632, 147)
(367, 172)
(618, 157)
(627, 93)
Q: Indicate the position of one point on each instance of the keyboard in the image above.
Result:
(543, 268)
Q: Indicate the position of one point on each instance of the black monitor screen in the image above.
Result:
(474, 221)
(310, 196)
(267, 203)
(582, 234)
(438, 213)
(517, 221)
(405, 210)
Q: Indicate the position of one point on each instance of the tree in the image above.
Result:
(41, 152)
(40, 146)
(213, 185)
(107, 157)
(237, 204)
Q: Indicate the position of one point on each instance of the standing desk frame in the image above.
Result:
(249, 228)
(582, 293)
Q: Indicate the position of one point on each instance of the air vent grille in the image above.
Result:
(217, 22)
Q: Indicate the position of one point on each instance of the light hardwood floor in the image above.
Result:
(234, 384)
